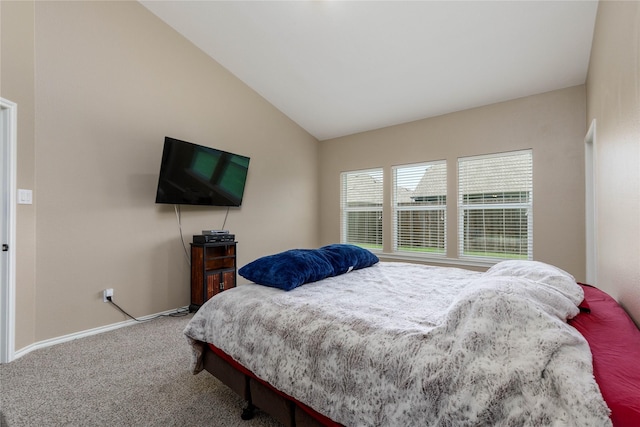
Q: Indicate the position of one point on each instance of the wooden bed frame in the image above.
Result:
(259, 394)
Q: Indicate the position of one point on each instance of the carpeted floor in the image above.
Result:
(133, 376)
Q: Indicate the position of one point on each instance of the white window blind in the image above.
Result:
(419, 208)
(495, 205)
(361, 207)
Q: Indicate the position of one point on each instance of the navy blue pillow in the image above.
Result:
(288, 270)
(345, 258)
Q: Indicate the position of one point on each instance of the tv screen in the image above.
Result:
(192, 174)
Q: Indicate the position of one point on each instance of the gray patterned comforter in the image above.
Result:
(400, 344)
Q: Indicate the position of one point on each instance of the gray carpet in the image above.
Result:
(133, 376)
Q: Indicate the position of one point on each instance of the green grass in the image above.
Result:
(421, 250)
(367, 245)
(498, 255)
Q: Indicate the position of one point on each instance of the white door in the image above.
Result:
(8, 143)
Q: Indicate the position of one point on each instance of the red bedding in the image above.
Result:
(615, 345)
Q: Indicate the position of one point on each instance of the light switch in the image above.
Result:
(25, 197)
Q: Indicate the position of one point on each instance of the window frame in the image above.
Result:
(345, 210)
(440, 206)
(465, 206)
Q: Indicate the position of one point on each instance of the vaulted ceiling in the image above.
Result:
(342, 67)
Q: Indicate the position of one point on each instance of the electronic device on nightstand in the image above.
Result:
(213, 238)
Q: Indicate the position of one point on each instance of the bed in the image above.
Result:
(332, 337)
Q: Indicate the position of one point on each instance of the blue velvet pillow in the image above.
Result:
(288, 270)
(345, 258)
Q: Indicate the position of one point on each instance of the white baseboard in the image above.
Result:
(82, 334)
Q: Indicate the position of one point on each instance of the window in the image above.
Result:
(361, 207)
(495, 205)
(419, 208)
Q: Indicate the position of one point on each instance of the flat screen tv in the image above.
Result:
(192, 174)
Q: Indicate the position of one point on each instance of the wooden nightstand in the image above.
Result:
(213, 270)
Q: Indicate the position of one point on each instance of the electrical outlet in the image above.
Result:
(107, 293)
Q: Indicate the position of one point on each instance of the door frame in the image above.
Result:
(8, 147)
(591, 207)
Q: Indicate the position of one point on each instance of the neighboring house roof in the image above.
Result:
(364, 190)
(497, 174)
(432, 183)
(492, 174)
(404, 195)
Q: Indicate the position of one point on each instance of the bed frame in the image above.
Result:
(260, 395)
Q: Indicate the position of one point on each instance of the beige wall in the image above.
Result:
(552, 124)
(111, 80)
(17, 85)
(613, 100)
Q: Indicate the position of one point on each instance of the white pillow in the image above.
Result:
(539, 272)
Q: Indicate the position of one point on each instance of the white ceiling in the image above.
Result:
(342, 67)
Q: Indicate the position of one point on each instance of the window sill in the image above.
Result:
(453, 262)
